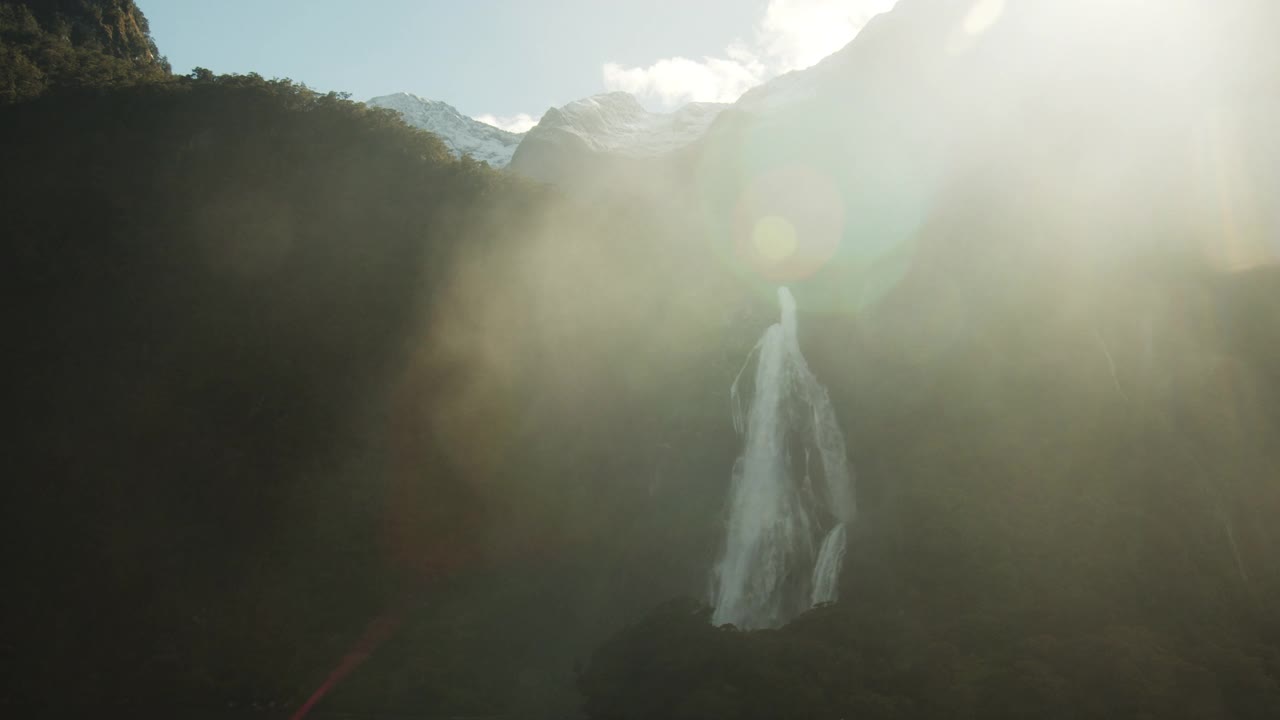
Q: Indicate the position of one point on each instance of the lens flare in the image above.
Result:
(788, 223)
(1245, 234)
(774, 239)
(378, 632)
(982, 16)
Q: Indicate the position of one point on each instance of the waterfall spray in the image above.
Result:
(792, 497)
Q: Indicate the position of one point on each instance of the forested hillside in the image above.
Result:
(51, 44)
(288, 371)
(215, 282)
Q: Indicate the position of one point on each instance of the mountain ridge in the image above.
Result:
(463, 135)
(606, 125)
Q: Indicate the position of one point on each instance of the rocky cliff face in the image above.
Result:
(46, 44)
(115, 27)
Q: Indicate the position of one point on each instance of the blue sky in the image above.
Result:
(504, 58)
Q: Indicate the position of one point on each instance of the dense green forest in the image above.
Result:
(275, 349)
(301, 398)
(219, 347)
(51, 45)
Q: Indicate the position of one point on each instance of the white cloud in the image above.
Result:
(675, 81)
(518, 123)
(792, 34)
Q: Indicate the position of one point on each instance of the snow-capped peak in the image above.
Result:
(461, 134)
(616, 123)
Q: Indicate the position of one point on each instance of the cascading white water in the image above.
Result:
(826, 573)
(786, 534)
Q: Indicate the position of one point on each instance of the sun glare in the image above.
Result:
(774, 238)
(983, 15)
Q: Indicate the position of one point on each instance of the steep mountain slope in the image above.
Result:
(1033, 241)
(588, 137)
(1104, 105)
(289, 370)
(616, 123)
(48, 44)
(217, 278)
(461, 134)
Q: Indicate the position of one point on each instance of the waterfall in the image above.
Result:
(791, 498)
(826, 574)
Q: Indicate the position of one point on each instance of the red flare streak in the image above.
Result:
(376, 634)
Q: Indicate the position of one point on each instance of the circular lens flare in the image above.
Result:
(774, 239)
(788, 223)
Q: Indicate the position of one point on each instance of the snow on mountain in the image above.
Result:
(616, 123)
(588, 141)
(461, 134)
